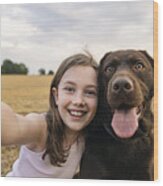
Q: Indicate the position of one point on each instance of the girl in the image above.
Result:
(52, 142)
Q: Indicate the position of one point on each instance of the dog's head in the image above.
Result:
(125, 90)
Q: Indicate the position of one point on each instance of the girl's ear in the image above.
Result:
(55, 94)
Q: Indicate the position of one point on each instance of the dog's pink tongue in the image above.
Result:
(125, 123)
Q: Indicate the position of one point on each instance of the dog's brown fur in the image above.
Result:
(125, 82)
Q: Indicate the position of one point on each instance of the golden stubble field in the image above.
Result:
(24, 94)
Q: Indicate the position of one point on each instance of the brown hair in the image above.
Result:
(55, 126)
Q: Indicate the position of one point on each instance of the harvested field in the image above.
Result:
(24, 94)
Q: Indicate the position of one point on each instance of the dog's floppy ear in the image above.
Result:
(104, 57)
(148, 57)
(101, 72)
(152, 64)
(102, 80)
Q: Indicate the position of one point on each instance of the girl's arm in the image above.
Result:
(17, 129)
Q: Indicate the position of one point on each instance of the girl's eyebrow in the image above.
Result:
(88, 86)
(92, 86)
(69, 82)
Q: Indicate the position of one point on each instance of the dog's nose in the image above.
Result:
(122, 84)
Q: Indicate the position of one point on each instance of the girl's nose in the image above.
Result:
(78, 99)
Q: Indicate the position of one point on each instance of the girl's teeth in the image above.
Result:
(75, 113)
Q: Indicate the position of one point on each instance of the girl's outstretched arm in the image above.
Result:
(18, 129)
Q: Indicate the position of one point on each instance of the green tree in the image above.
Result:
(9, 67)
(42, 71)
(23, 69)
(50, 72)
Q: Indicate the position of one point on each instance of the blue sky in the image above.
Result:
(43, 35)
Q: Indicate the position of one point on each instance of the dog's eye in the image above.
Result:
(110, 69)
(139, 67)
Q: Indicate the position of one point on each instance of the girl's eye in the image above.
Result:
(69, 89)
(110, 69)
(91, 93)
(139, 67)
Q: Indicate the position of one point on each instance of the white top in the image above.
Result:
(31, 164)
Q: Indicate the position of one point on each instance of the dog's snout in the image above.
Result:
(122, 84)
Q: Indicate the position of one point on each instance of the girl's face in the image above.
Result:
(76, 97)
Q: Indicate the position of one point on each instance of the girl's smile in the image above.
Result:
(77, 114)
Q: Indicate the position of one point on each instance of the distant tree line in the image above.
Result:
(42, 71)
(9, 67)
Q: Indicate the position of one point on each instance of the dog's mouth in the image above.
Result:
(125, 122)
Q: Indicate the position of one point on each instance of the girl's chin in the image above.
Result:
(75, 129)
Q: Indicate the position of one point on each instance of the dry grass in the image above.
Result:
(24, 94)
